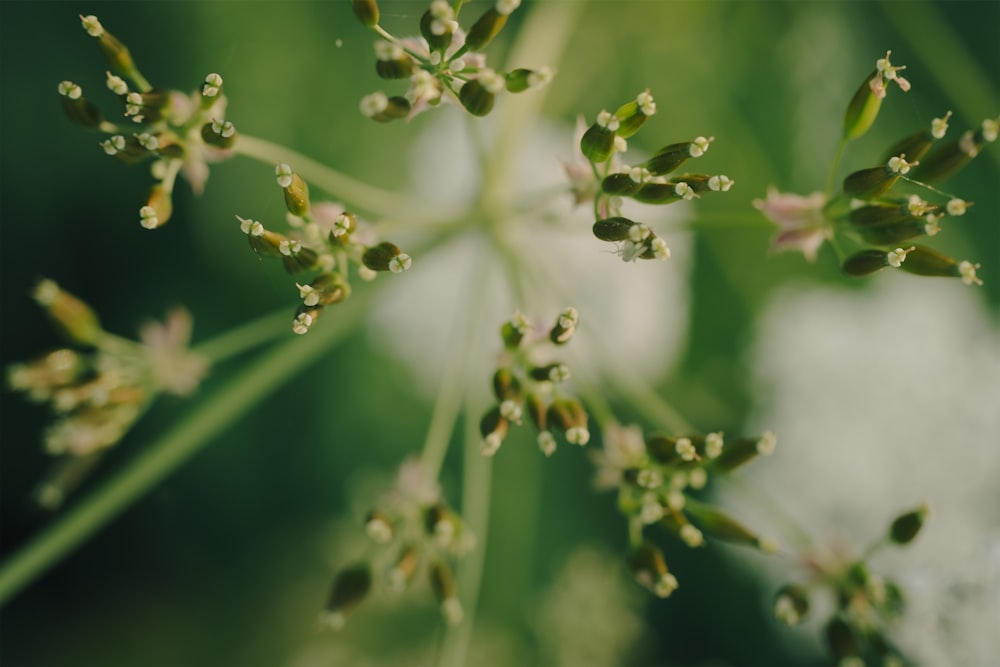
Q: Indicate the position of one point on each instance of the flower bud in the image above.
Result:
(568, 415)
(862, 109)
(520, 79)
(842, 638)
(379, 527)
(791, 604)
(906, 526)
(297, 258)
(650, 569)
(506, 386)
(632, 115)
(946, 160)
(443, 585)
(350, 587)
(924, 261)
(441, 523)
(485, 29)
(402, 571)
(325, 289)
(159, 206)
(383, 109)
(718, 524)
(538, 412)
(493, 427)
(662, 193)
(893, 233)
(740, 450)
(72, 316)
(565, 326)
(78, 108)
(366, 11)
(437, 25)
(386, 257)
(476, 99)
(875, 181)
(221, 134)
(512, 332)
(613, 229)
(865, 263)
(554, 372)
(116, 53)
(598, 142)
(297, 196)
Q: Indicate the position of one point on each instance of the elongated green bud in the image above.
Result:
(506, 386)
(632, 115)
(485, 29)
(72, 316)
(620, 185)
(598, 142)
(864, 263)
(443, 585)
(649, 568)
(614, 229)
(906, 526)
(862, 109)
(718, 524)
(350, 588)
(366, 11)
(875, 181)
(386, 257)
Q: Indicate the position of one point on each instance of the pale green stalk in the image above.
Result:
(246, 337)
(643, 398)
(212, 415)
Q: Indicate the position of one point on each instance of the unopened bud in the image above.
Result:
(862, 109)
(842, 638)
(78, 108)
(598, 142)
(493, 427)
(569, 416)
(221, 134)
(366, 11)
(158, 208)
(485, 29)
(478, 95)
(350, 587)
(383, 109)
(71, 315)
(649, 568)
(791, 604)
(437, 25)
(506, 386)
(718, 524)
(386, 257)
(906, 526)
(443, 585)
(864, 263)
(379, 527)
(565, 326)
(297, 196)
(519, 80)
(632, 115)
(613, 229)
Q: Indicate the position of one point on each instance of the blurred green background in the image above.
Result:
(228, 561)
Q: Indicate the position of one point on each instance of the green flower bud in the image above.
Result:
(649, 568)
(865, 263)
(399, 68)
(620, 185)
(437, 30)
(443, 585)
(325, 289)
(873, 182)
(366, 11)
(506, 386)
(485, 29)
(537, 411)
(598, 142)
(632, 115)
(842, 638)
(296, 196)
(386, 257)
(740, 450)
(613, 229)
(862, 109)
(350, 588)
(379, 527)
(158, 209)
(663, 448)
(791, 604)
(906, 526)
(476, 98)
(569, 416)
(71, 316)
(718, 524)
(565, 326)
(660, 193)
(893, 233)
(519, 80)
(383, 109)
(554, 372)
(404, 568)
(221, 134)
(946, 160)
(924, 261)
(79, 109)
(493, 428)
(442, 523)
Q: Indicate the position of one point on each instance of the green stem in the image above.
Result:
(246, 337)
(831, 176)
(656, 408)
(367, 197)
(211, 417)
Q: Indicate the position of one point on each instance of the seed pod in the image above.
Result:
(657, 193)
(906, 526)
(947, 159)
(894, 233)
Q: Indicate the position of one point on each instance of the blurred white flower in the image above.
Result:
(641, 308)
(883, 400)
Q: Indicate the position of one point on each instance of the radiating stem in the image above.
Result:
(210, 417)
(358, 193)
(642, 397)
(246, 337)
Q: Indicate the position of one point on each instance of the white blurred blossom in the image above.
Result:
(883, 400)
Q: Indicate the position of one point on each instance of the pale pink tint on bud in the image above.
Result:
(800, 221)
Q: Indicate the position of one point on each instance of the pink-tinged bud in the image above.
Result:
(71, 315)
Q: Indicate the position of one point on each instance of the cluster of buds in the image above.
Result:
(100, 384)
(865, 602)
(649, 182)
(414, 534)
(527, 379)
(655, 476)
(443, 63)
(881, 209)
(324, 241)
(179, 133)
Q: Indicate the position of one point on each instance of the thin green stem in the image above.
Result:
(655, 407)
(362, 195)
(792, 529)
(211, 417)
(831, 175)
(246, 337)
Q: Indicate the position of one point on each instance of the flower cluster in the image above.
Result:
(882, 207)
(865, 602)
(101, 385)
(412, 530)
(656, 475)
(178, 132)
(324, 240)
(528, 379)
(649, 182)
(443, 63)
